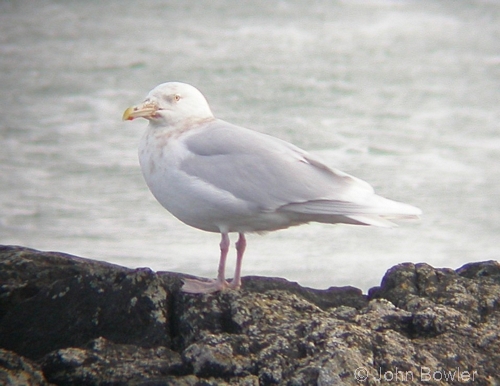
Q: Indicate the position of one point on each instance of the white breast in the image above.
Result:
(192, 200)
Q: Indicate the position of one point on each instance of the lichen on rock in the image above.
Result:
(67, 320)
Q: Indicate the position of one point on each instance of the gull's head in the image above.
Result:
(171, 103)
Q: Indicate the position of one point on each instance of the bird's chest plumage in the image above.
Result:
(161, 156)
(157, 155)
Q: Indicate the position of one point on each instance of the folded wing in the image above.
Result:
(271, 175)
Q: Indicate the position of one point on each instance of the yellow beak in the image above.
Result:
(146, 110)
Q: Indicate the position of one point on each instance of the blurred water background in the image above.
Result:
(403, 94)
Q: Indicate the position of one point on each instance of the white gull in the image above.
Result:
(219, 177)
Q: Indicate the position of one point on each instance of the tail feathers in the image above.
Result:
(393, 209)
(373, 220)
(377, 211)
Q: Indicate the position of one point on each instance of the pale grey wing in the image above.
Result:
(269, 173)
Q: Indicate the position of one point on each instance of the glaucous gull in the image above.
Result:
(219, 177)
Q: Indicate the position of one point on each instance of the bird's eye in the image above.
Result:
(177, 97)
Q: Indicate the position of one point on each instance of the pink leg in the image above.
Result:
(224, 249)
(203, 287)
(241, 244)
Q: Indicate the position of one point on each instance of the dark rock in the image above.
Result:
(329, 298)
(416, 287)
(16, 371)
(104, 363)
(91, 323)
(487, 271)
(78, 301)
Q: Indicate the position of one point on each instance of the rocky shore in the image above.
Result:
(66, 320)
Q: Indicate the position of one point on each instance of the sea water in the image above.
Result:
(403, 94)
